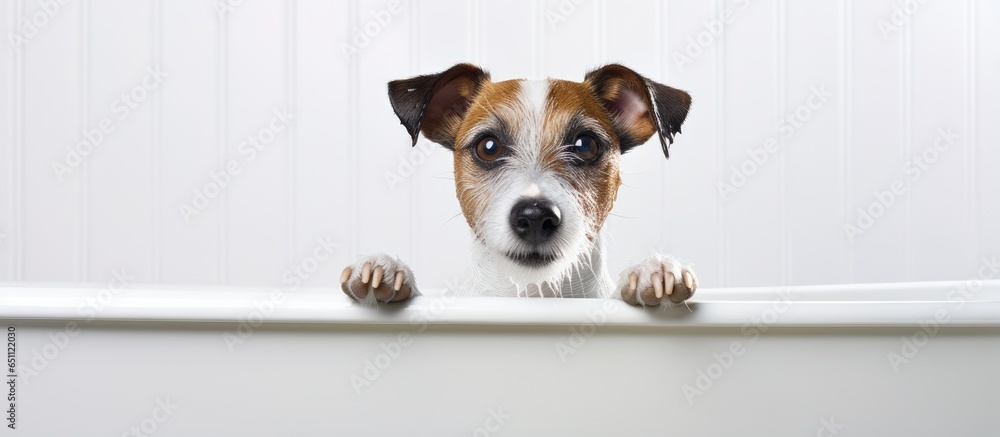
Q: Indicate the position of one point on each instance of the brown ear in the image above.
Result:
(436, 103)
(638, 106)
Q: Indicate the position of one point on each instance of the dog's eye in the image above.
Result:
(585, 147)
(488, 148)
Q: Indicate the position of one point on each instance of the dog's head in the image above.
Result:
(537, 162)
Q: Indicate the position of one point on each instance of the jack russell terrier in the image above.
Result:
(536, 173)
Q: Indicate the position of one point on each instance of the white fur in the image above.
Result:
(390, 265)
(493, 274)
(644, 269)
(535, 92)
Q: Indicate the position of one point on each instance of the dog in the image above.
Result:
(537, 171)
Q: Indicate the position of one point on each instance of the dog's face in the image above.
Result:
(537, 162)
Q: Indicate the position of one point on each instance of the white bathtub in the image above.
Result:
(834, 360)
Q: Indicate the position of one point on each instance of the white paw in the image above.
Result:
(656, 279)
(378, 278)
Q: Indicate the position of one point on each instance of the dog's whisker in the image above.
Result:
(622, 216)
(451, 218)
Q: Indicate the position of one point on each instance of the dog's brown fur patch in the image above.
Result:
(596, 184)
(494, 100)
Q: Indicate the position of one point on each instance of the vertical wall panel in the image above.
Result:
(691, 201)
(569, 38)
(255, 215)
(445, 33)
(814, 152)
(987, 109)
(753, 227)
(383, 213)
(8, 115)
(188, 148)
(939, 58)
(120, 86)
(509, 54)
(321, 173)
(876, 147)
(50, 207)
(640, 198)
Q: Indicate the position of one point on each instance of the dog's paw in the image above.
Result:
(378, 278)
(656, 279)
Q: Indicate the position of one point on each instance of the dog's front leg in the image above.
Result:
(656, 279)
(378, 278)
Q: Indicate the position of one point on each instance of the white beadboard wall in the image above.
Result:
(231, 63)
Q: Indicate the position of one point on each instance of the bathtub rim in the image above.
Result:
(887, 304)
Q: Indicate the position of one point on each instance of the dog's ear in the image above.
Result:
(436, 103)
(638, 106)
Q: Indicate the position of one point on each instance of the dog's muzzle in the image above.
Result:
(534, 220)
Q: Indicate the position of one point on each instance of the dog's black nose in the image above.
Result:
(534, 220)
